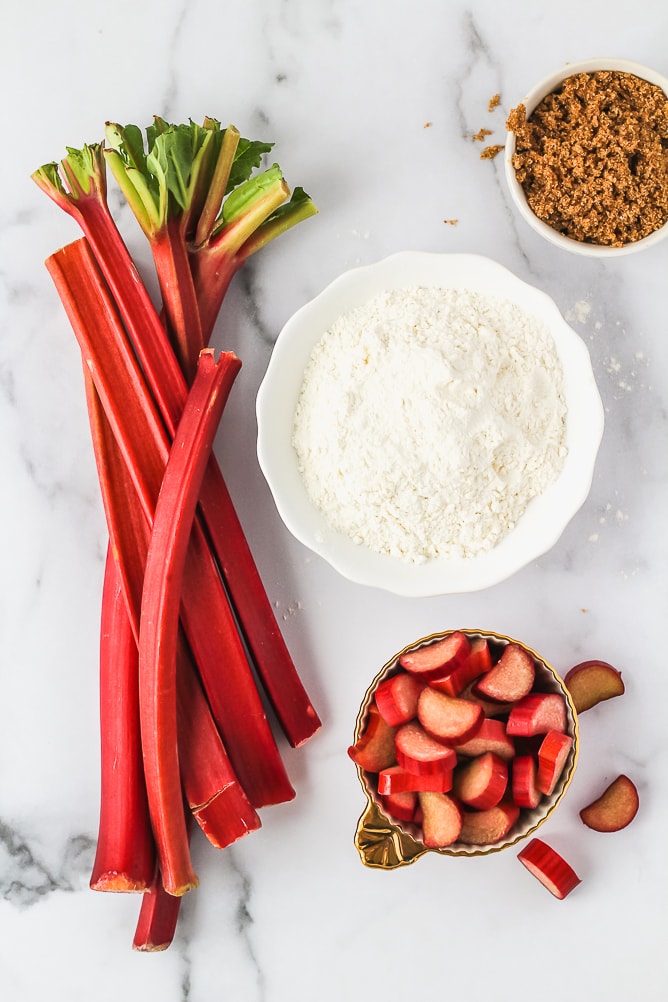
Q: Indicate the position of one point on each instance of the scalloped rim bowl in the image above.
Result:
(549, 681)
(533, 98)
(546, 516)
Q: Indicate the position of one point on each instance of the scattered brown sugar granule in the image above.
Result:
(494, 102)
(490, 152)
(479, 136)
(451, 222)
(427, 125)
(593, 157)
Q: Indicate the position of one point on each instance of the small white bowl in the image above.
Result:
(532, 99)
(545, 517)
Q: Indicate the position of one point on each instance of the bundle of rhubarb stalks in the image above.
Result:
(190, 652)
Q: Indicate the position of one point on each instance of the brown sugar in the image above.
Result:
(490, 152)
(592, 158)
(494, 102)
(479, 136)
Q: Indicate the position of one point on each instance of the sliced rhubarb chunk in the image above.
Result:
(397, 698)
(549, 867)
(401, 805)
(524, 776)
(552, 756)
(591, 682)
(374, 749)
(441, 819)
(537, 713)
(448, 718)
(396, 779)
(482, 782)
(478, 661)
(511, 678)
(418, 752)
(615, 808)
(490, 736)
(438, 658)
(487, 827)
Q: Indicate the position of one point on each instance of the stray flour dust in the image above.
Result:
(427, 421)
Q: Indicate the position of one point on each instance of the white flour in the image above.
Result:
(428, 419)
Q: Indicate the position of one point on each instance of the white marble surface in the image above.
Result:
(345, 89)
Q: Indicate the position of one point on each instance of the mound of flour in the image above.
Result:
(427, 421)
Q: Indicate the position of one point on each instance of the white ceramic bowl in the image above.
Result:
(546, 516)
(533, 98)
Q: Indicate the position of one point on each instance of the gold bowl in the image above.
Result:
(386, 843)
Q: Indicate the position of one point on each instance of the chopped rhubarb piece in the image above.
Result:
(591, 682)
(552, 756)
(490, 707)
(418, 752)
(537, 713)
(397, 697)
(490, 736)
(487, 827)
(478, 661)
(482, 782)
(448, 718)
(396, 779)
(401, 805)
(374, 748)
(437, 659)
(441, 819)
(549, 867)
(511, 678)
(615, 808)
(525, 790)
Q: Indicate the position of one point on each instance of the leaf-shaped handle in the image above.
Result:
(381, 844)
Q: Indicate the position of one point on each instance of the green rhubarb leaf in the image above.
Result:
(248, 157)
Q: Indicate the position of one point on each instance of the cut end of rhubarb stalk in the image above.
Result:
(549, 867)
(592, 682)
(614, 809)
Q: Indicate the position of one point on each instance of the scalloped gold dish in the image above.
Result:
(385, 843)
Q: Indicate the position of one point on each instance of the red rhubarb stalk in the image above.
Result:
(125, 856)
(159, 623)
(157, 920)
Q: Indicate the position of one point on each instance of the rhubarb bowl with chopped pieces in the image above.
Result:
(465, 743)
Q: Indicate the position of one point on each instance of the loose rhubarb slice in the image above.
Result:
(524, 787)
(159, 623)
(537, 713)
(591, 682)
(482, 782)
(418, 752)
(437, 659)
(374, 748)
(396, 779)
(125, 855)
(552, 757)
(549, 867)
(511, 678)
(447, 718)
(441, 819)
(490, 736)
(615, 808)
(397, 698)
(490, 826)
